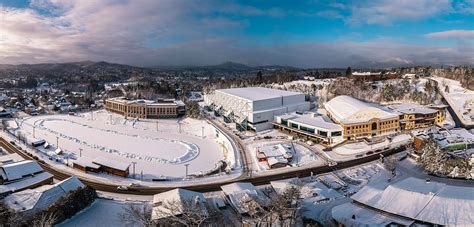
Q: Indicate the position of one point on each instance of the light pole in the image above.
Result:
(80, 152)
(186, 165)
(134, 163)
(157, 126)
(202, 131)
(57, 141)
(179, 127)
(34, 127)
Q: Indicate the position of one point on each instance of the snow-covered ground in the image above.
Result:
(159, 147)
(102, 212)
(355, 178)
(459, 98)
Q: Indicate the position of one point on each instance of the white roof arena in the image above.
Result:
(257, 93)
(432, 202)
(257, 105)
(347, 110)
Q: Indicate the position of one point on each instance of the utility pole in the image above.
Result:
(134, 163)
(80, 152)
(141, 174)
(186, 165)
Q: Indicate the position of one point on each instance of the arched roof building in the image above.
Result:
(361, 119)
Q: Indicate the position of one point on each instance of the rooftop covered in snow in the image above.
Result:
(414, 198)
(410, 108)
(18, 170)
(313, 120)
(111, 163)
(177, 199)
(257, 93)
(34, 200)
(347, 110)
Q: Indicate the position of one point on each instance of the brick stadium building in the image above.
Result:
(140, 108)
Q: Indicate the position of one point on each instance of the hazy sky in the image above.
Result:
(305, 33)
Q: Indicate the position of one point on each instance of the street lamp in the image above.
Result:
(57, 141)
(34, 127)
(134, 163)
(80, 152)
(186, 165)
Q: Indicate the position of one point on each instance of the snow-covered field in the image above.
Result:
(159, 147)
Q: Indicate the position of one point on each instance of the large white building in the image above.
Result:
(254, 107)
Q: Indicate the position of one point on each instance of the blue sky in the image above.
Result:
(306, 33)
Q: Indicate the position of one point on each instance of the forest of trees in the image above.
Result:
(437, 161)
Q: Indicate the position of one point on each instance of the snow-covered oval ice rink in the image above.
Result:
(160, 147)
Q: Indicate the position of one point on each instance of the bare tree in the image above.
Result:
(390, 163)
(45, 220)
(286, 206)
(188, 212)
(137, 213)
(255, 210)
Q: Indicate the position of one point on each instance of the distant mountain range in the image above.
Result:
(89, 65)
(228, 66)
(67, 66)
(105, 71)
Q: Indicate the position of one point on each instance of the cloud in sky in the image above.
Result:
(452, 34)
(170, 32)
(387, 12)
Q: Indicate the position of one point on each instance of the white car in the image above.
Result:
(122, 188)
(134, 185)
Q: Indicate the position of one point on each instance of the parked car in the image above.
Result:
(122, 188)
(134, 185)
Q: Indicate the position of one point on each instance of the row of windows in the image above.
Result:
(157, 111)
(310, 130)
(140, 110)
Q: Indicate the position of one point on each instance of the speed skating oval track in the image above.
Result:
(203, 187)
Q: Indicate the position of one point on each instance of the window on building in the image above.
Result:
(323, 133)
(339, 133)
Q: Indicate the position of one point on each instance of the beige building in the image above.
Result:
(361, 119)
(140, 108)
(413, 116)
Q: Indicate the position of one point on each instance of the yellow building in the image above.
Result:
(141, 108)
(361, 119)
(413, 116)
